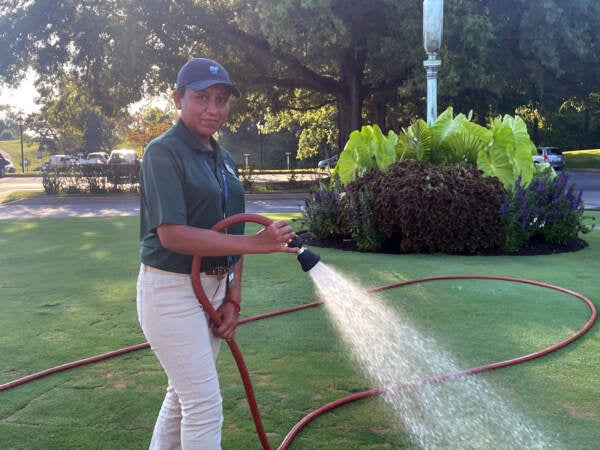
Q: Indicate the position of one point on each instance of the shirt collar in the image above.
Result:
(190, 140)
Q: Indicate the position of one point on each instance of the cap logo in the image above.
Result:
(213, 69)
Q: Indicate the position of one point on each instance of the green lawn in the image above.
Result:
(68, 292)
(583, 159)
(13, 148)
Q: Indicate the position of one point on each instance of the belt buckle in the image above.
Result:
(221, 272)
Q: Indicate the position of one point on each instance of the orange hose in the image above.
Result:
(440, 378)
(356, 396)
(208, 308)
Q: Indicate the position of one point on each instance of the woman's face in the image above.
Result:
(205, 111)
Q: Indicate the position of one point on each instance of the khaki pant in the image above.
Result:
(176, 327)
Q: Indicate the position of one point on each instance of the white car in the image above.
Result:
(62, 160)
(10, 168)
(95, 158)
(329, 162)
(123, 156)
(550, 155)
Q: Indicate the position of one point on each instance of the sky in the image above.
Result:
(21, 98)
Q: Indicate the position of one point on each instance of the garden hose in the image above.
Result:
(359, 395)
(216, 319)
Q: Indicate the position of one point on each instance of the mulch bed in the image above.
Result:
(533, 247)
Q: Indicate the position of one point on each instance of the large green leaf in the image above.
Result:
(523, 148)
(365, 149)
(510, 136)
(494, 161)
(348, 162)
(384, 152)
(462, 147)
(444, 130)
(415, 142)
(446, 125)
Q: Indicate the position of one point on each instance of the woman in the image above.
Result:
(189, 183)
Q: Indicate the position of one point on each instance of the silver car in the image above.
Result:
(550, 155)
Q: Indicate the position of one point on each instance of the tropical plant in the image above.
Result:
(416, 142)
(502, 150)
(366, 149)
(508, 155)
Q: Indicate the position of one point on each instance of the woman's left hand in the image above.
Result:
(229, 321)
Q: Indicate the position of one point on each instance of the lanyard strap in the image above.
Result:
(224, 189)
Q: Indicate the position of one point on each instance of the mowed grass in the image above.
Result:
(67, 292)
(583, 159)
(30, 153)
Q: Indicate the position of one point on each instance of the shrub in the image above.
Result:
(419, 207)
(361, 220)
(95, 179)
(52, 181)
(324, 212)
(548, 208)
(95, 176)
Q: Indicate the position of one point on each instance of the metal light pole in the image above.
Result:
(287, 155)
(433, 20)
(260, 125)
(21, 123)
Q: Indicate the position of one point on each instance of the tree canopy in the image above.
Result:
(326, 65)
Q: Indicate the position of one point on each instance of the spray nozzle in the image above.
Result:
(306, 258)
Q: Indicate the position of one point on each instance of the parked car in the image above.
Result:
(3, 163)
(329, 162)
(550, 155)
(95, 158)
(45, 166)
(10, 167)
(123, 166)
(62, 161)
(6, 166)
(123, 156)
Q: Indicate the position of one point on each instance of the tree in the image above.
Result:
(72, 121)
(341, 62)
(518, 52)
(300, 55)
(146, 124)
(99, 131)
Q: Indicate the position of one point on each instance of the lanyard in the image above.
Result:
(224, 189)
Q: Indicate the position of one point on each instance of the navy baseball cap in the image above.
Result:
(202, 73)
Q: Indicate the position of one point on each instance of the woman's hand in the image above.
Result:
(275, 237)
(229, 321)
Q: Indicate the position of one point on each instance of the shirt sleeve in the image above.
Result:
(162, 176)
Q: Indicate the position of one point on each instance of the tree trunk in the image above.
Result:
(376, 112)
(350, 95)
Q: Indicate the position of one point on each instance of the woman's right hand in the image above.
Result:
(275, 237)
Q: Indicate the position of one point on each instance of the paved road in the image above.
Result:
(128, 204)
(119, 204)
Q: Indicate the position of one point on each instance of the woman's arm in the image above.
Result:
(230, 308)
(189, 240)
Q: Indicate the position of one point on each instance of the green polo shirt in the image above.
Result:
(184, 183)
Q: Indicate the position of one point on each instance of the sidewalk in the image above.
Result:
(86, 205)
